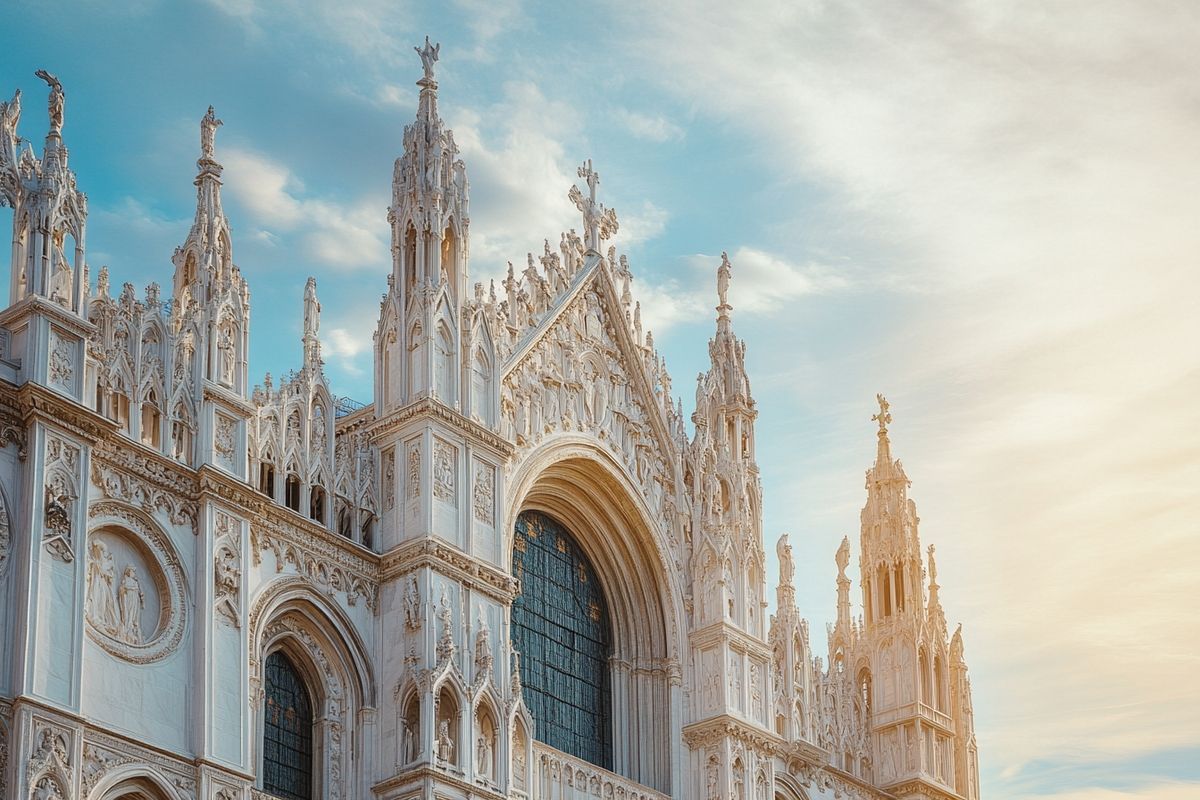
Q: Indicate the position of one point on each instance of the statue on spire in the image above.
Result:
(57, 100)
(787, 567)
(884, 417)
(724, 272)
(312, 308)
(429, 56)
(208, 133)
(843, 556)
(932, 568)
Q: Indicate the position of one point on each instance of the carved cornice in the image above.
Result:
(427, 406)
(723, 631)
(699, 735)
(226, 398)
(452, 562)
(12, 424)
(36, 304)
(147, 479)
(919, 787)
(46, 405)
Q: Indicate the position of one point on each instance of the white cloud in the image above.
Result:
(646, 223)
(351, 235)
(515, 159)
(651, 127)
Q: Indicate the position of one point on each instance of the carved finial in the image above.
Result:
(429, 56)
(932, 567)
(208, 133)
(57, 100)
(724, 272)
(884, 417)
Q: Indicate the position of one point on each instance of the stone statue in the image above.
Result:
(208, 132)
(57, 100)
(10, 115)
(843, 556)
(133, 600)
(429, 56)
(102, 606)
(445, 745)
(723, 273)
(483, 646)
(787, 567)
(932, 567)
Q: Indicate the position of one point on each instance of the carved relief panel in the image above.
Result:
(135, 599)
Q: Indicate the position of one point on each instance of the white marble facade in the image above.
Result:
(165, 527)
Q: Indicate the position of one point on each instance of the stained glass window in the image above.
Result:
(561, 628)
(287, 732)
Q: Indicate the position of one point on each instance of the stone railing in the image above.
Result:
(558, 776)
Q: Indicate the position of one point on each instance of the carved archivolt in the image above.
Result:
(133, 570)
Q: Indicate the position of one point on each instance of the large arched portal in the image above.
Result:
(594, 579)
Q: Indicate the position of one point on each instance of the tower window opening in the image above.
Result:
(266, 478)
(292, 492)
(316, 504)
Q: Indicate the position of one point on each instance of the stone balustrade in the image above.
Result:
(558, 776)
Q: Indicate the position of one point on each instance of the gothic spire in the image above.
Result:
(883, 453)
(206, 255)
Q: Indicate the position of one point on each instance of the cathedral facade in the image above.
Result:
(517, 572)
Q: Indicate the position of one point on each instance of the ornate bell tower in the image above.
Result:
(918, 742)
(730, 754)
(418, 341)
(446, 665)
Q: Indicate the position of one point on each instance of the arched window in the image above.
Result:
(151, 421)
(287, 732)
(266, 478)
(560, 626)
(316, 505)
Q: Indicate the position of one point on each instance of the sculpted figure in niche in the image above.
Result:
(102, 607)
(483, 757)
(445, 745)
(225, 356)
(133, 600)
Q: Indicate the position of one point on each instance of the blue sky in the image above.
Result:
(988, 213)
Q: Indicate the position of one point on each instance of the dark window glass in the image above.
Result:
(287, 732)
(560, 626)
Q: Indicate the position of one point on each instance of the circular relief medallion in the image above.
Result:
(135, 598)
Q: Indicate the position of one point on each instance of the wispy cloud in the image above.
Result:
(349, 235)
(651, 127)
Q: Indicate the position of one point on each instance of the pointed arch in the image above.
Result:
(325, 648)
(445, 346)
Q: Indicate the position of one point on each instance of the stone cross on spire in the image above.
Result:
(884, 417)
(429, 56)
(598, 221)
(208, 133)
